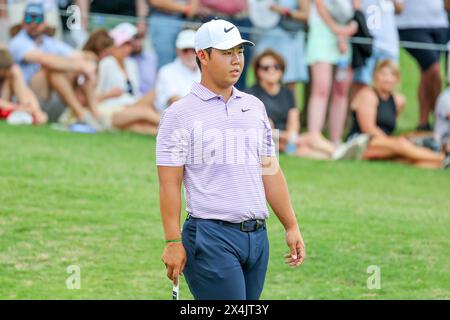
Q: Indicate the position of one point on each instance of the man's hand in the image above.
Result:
(174, 257)
(295, 243)
(277, 8)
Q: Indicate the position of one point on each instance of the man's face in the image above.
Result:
(187, 56)
(34, 25)
(136, 43)
(225, 66)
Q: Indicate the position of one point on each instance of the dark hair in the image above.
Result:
(267, 53)
(6, 60)
(98, 41)
(208, 50)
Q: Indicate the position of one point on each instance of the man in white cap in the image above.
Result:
(217, 140)
(175, 79)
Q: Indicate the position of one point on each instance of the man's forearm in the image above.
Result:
(84, 6)
(168, 5)
(141, 10)
(3, 9)
(57, 63)
(170, 205)
(277, 195)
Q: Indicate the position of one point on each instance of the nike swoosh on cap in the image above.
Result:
(228, 30)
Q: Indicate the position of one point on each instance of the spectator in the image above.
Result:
(14, 93)
(167, 18)
(375, 111)
(175, 79)
(49, 64)
(126, 109)
(98, 46)
(51, 9)
(327, 46)
(96, 14)
(236, 12)
(284, 116)
(288, 39)
(66, 15)
(442, 122)
(425, 22)
(147, 63)
(385, 43)
(4, 23)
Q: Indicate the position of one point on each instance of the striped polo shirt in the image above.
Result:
(220, 145)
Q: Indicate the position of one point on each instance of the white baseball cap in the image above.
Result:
(219, 34)
(185, 39)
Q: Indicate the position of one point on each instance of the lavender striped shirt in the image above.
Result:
(220, 146)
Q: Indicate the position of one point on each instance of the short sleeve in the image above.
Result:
(290, 98)
(106, 70)
(165, 88)
(268, 146)
(20, 46)
(172, 141)
(60, 48)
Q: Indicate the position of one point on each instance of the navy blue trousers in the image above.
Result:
(224, 263)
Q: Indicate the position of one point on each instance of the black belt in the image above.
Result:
(244, 226)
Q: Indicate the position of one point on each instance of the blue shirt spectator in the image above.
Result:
(22, 43)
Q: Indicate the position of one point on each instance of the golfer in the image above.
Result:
(218, 142)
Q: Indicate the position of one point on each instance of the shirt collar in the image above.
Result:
(205, 94)
(23, 33)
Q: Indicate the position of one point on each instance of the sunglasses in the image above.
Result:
(188, 50)
(29, 19)
(139, 36)
(268, 67)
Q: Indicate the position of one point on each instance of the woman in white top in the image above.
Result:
(126, 109)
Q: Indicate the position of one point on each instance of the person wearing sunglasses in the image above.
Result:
(283, 115)
(50, 66)
(175, 79)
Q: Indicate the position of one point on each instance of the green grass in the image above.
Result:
(92, 201)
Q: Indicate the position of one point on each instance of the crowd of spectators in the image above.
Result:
(117, 65)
